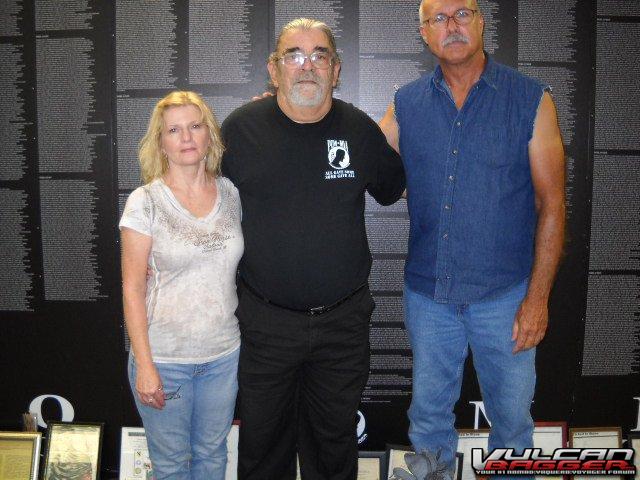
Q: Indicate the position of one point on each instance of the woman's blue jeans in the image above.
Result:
(187, 438)
(440, 334)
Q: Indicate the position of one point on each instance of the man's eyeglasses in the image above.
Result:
(464, 16)
(319, 59)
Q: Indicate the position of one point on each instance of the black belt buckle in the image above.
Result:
(316, 311)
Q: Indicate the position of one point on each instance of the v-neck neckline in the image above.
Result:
(176, 203)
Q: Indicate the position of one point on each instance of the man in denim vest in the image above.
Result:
(484, 163)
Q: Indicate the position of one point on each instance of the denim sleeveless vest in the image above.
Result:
(470, 194)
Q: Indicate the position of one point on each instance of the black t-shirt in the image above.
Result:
(302, 191)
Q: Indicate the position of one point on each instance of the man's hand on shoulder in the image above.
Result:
(530, 324)
(263, 95)
(389, 127)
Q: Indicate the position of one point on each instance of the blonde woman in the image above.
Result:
(184, 226)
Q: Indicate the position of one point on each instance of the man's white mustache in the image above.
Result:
(305, 77)
(455, 37)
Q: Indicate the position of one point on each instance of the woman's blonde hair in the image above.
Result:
(153, 163)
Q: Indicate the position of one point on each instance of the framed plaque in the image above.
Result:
(468, 439)
(231, 472)
(548, 436)
(134, 455)
(595, 437)
(136, 464)
(20, 454)
(73, 451)
(633, 441)
(372, 465)
(395, 459)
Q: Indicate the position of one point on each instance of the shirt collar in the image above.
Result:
(489, 75)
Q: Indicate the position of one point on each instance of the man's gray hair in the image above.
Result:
(420, 15)
(306, 24)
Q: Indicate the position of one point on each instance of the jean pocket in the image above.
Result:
(131, 366)
(173, 395)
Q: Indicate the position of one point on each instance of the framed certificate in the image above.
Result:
(548, 436)
(395, 458)
(633, 441)
(372, 465)
(20, 454)
(595, 437)
(231, 473)
(134, 455)
(467, 440)
(73, 451)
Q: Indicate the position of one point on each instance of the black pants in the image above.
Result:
(300, 379)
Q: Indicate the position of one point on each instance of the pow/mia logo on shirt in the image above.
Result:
(339, 160)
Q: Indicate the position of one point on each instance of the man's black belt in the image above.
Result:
(308, 311)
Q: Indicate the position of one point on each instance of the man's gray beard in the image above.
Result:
(297, 98)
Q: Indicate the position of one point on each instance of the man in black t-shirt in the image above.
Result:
(302, 162)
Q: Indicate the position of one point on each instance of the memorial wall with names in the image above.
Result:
(79, 79)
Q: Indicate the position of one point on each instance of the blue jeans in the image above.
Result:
(187, 438)
(440, 334)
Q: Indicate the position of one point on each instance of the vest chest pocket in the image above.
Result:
(494, 148)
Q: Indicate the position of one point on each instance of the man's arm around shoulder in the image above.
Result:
(389, 126)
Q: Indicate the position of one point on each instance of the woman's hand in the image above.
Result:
(149, 387)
